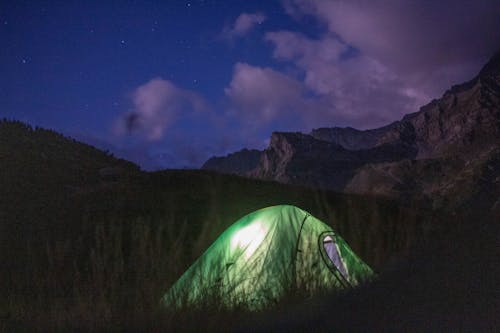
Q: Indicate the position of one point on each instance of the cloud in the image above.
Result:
(158, 104)
(346, 90)
(318, 58)
(378, 60)
(260, 94)
(243, 25)
(429, 44)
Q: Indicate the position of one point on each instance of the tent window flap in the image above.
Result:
(333, 254)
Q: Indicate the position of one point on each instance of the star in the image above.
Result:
(122, 42)
(24, 61)
(188, 4)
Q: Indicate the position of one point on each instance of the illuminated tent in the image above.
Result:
(264, 255)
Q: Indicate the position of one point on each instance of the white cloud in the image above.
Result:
(357, 90)
(260, 95)
(380, 59)
(157, 105)
(430, 45)
(318, 58)
(243, 25)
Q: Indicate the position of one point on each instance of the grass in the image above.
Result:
(109, 258)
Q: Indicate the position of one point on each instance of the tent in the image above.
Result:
(264, 255)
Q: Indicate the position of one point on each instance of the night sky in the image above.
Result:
(171, 83)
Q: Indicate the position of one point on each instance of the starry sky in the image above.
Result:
(171, 83)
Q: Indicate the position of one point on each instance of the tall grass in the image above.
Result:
(102, 261)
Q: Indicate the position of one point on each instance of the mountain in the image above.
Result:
(446, 153)
(301, 159)
(239, 162)
(457, 138)
(351, 138)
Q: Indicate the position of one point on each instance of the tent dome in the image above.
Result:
(265, 254)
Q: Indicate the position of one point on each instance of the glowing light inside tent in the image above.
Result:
(249, 238)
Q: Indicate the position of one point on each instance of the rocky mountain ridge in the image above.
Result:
(441, 153)
(239, 162)
(351, 138)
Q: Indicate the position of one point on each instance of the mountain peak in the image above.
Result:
(492, 67)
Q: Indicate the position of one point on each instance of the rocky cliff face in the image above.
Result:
(298, 158)
(457, 139)
(465, 119)
(442, 153)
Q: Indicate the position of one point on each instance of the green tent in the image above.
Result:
(264, 255)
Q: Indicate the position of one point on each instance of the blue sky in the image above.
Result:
(170, 83)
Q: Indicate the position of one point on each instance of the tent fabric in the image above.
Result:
(264, 255)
